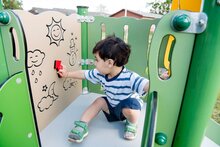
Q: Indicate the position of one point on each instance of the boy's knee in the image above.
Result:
(127, 111)
(130, 112)
(99, 101)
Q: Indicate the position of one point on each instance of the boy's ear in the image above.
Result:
(110, 62)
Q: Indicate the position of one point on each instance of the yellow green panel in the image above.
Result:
(17, 127)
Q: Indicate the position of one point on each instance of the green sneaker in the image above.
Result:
(130, 130)
(79, 132)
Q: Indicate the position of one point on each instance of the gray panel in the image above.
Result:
(101, 132)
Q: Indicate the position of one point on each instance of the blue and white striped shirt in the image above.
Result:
(126, 84)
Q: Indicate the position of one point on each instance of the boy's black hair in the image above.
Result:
(113, 48)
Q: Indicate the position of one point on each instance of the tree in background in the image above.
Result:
(102, 9)
(12, 4)
(159, 7)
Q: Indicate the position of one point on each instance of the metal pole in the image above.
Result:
(203, 82)
(83, 10)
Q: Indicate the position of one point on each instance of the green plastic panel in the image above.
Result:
(138, 35)
(170, 91)
(17, 126)
(13, 43)
(3, 64)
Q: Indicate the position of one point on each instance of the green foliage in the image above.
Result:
(13, 4)
(160, 7)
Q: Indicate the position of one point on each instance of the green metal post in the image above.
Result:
(203, 82)
(1, 5)
(83, 10)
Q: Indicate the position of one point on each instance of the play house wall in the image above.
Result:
(51, 36)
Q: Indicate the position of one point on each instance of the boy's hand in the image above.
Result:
(63, 73)
(164, 74)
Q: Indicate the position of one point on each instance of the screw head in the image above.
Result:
(18, 80)
(29, 135)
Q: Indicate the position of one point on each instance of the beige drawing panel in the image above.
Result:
(50, 36)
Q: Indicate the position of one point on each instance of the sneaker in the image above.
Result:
(79, 132)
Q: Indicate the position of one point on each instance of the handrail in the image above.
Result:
(150, 121)
(153, 104)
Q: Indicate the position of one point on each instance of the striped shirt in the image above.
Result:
(126, 84)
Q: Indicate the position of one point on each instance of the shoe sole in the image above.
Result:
(78, 141)
(130, 138)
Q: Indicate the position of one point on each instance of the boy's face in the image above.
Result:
(104, 67)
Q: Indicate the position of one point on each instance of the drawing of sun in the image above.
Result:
(55, 32)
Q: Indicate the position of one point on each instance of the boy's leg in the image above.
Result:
(131, 115)
(80, 131)
(93, 110)
(131, 123)
(131, 109)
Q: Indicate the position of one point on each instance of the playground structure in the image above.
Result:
(178, 109)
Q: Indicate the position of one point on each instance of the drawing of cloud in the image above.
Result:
(35, 58)
(68, 83)
(45, 103)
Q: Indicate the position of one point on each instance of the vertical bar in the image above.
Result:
(203, 82)
(1, 5)
(83, 10)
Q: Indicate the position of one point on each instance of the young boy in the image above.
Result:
(122, 88)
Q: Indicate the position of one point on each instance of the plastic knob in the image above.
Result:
(161, 138)
(4, 18)
(181, 22)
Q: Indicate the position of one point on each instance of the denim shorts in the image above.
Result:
(116, 112)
